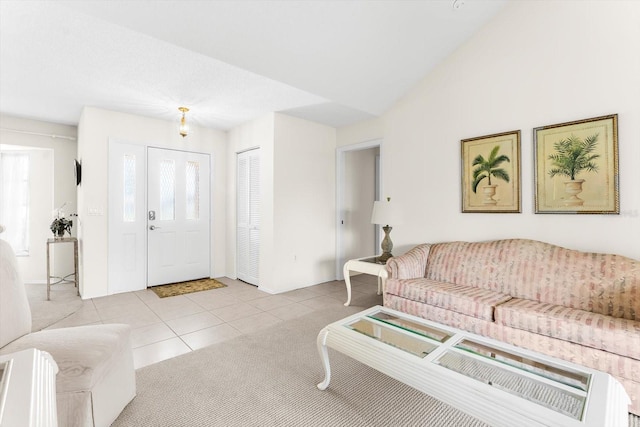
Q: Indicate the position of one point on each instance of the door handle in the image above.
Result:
(153, 227)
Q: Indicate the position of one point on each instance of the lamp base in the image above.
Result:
(387, 245)
(382, 259)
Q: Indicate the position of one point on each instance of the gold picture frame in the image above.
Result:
(491, 173)
(576, 167)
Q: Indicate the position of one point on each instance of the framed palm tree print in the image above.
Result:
(491, 173)
(577, 167)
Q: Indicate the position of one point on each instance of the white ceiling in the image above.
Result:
(333, 62)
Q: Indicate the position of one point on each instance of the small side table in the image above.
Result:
(367, 265)
(64, 279)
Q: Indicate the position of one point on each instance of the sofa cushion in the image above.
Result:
(615, 335)
(83, 353)
(601, 283)
(473, 302)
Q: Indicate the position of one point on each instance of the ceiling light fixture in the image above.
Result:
(184, 128)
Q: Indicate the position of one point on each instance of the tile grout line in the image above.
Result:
(249, 301)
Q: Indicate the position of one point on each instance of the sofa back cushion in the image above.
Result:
(15, 314)
(601, 283)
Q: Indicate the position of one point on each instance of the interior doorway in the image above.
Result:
(358, 186)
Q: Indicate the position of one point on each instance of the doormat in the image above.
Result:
(182, 288)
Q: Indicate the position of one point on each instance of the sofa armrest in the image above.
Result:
(410, 265)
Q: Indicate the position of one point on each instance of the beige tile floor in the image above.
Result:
(163, 328)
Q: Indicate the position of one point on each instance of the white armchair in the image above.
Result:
(96, 379)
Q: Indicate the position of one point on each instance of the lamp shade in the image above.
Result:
(385, 213)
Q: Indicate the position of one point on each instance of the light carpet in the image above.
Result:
(268, 378)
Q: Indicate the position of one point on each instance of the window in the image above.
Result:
(129, 201)
(14, 200)
(193, 190)
(167, 190)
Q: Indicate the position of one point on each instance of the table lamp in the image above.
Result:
(385, 213)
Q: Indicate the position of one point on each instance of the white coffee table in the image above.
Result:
(367, 265)
(498, 383)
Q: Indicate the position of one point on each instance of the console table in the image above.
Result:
(367, 265)
(498, 383)
(64, 279)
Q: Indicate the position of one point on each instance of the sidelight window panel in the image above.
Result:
(193, 190)
(129, 187)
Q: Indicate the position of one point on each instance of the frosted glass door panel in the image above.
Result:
(129, 188)
(193, 190)
(167, 178)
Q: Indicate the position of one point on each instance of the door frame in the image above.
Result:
(145, 147)
(340, 189)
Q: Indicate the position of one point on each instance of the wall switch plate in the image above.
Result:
(95, 211)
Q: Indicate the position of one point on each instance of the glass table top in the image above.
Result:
(411, 326)
(412, 337)
(578, 380)
(553, 386)
(509, 375)
(373, 260)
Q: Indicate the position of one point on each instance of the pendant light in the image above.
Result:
(184, 128)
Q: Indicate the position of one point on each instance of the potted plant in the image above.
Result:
(486, 168)
(60, 224)
(574, 155)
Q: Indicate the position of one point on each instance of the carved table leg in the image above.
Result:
(347, 281)
(48, 274)
(324, 356)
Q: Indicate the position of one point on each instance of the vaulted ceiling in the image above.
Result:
(333, 62)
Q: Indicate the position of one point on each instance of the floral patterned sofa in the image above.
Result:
(578, 306)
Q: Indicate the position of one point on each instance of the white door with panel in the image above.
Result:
(248, 216)
(178, 225)
(127, 261)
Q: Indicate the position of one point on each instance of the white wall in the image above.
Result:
(297, 225)
(361, 132)
(537, 63)
(33, 268)
(95, 128)
(304, 204)
(258, 133)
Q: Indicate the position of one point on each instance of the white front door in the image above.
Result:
(178, 233)
(248, 216)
